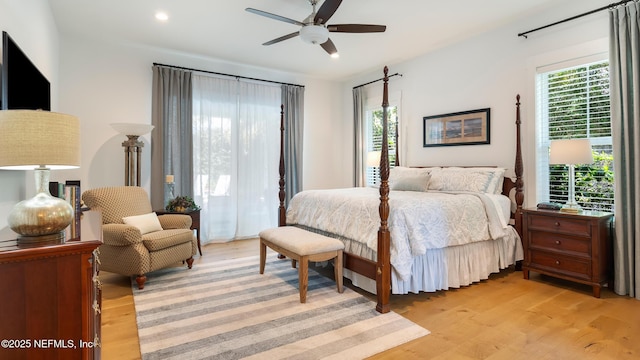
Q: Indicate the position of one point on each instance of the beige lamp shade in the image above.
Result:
(373, 158)
(570, 152)
(33, 138)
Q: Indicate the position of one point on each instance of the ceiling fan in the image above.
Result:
(314, 28)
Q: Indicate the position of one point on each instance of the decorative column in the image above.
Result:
(132, 158)
(132, 150)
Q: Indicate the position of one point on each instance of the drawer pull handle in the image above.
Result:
(557, 242)
(557, 262)
(557, 223)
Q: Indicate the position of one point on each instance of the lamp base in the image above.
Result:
(571, 208)
(42, 218)
(57, 238)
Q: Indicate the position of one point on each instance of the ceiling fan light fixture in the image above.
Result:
(314, 34)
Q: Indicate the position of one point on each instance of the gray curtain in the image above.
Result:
(359, 138)
(624, 52)
(293, 101)
(171, 139)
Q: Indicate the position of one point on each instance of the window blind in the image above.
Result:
(574, 103)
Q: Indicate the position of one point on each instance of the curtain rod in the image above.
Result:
(223, 74)
(371, 82)
(524, 34)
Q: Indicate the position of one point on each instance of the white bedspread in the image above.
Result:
(418, 221)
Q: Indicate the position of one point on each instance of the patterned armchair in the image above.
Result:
(135, 240)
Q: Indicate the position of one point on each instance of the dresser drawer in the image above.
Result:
(575, 227)
(576, 268)
(560, 243)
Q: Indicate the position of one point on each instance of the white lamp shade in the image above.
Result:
(373, 158)
(570, 152)
(132, 129)
(32, 138)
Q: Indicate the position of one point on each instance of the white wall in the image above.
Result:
(486, 71)
(102, 83)
(31, 25)
(105, 83)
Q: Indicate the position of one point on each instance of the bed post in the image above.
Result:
(383, 265)
(519, 168)
(282, 215)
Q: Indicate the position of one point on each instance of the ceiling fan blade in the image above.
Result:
(282, 38)
(326, 11)
(356, 28)
(329, 47)
(274, 16)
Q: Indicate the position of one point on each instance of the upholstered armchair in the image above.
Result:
(135, 240)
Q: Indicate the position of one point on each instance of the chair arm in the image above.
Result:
(175, 221)
(120, 234)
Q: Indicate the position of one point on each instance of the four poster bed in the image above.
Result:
(450, 226)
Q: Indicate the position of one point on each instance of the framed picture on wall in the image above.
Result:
(461, 128)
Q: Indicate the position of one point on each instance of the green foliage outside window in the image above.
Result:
(392, 122)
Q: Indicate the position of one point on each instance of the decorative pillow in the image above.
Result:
(484, 180)
(147, 223)
(398, 172)
(419, 182)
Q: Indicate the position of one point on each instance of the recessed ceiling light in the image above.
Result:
(335, 55)
(162, 16)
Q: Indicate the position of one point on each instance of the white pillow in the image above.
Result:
(479, 179)
(398, 172)
(147, 223)
(419, 182)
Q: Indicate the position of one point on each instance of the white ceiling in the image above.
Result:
(222, 29)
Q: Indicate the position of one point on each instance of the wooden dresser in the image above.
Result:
(574, 247)
(50, 297)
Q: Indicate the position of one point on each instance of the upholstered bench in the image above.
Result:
(302, 246)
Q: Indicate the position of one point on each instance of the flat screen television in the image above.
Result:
(23, 85)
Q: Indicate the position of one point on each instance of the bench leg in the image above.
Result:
(303, 277)
(337, 269)
(263, 256)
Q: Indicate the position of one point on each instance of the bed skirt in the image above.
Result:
(442, 269)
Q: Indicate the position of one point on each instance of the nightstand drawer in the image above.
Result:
(576, 268)
(560, 243)
(575, 227)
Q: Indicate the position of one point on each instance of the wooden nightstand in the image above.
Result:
(574, 247)
(195, 222)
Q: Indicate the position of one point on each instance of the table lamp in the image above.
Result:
(41, 141)
(571, 152)
(373, 160)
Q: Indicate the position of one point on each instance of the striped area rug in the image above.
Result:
(227, 310)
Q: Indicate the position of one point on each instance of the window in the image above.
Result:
(235, 160)
(573, 103)
(374, 141)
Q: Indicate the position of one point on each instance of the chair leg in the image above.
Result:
(263, 256)
(190, 262)
(303, 277)
(140, 279)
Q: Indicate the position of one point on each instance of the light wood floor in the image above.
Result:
(505, 317)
